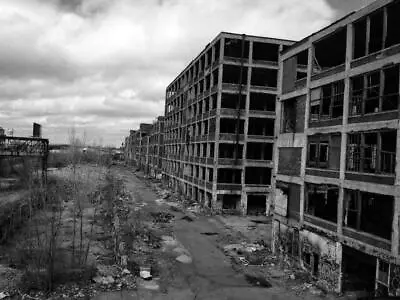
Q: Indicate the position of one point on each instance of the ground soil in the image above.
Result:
(190, 252)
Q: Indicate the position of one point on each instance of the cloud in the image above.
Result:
(103, 65)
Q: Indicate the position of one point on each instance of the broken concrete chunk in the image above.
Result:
(104, 280)
(4, 295)
(145, 273)
(185, 259)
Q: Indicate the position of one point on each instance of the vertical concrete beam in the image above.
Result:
(217, 123)
(306, 118)
(395, 225)
(246, 129)
(343, 144)
(277, 129)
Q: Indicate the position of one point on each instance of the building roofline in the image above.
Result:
(216, 38)
(348, 18)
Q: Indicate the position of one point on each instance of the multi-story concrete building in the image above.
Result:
(129, 147)
(219, 123)
(337, 192)
(156, 147)
(136, 146)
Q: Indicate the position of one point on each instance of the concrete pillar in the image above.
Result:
(246, 129)
(217, 124)
(396, 224)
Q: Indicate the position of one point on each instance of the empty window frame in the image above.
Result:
(374, 92)
(322, 201)
(237, 48)
(379, 30)
(330, 51)
(369, 212)
(289, 116)
(327, 102)
(372, 152)
(318, 154)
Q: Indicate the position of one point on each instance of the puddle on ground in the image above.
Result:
(261, 221)
(209, 233)
(257, 281)
(187, 218)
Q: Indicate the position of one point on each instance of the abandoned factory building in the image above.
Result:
(337, 170)
(219, 123)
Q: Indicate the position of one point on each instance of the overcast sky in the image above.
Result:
(102, 65)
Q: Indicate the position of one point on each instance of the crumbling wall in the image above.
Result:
(324, 257)
(394, 284)
(297, 246)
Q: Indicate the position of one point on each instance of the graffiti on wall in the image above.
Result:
(322, 265)
(394, 284)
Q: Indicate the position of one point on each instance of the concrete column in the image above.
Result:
(343, 144)
(306, 118)
(395, 225)
(277, 129)
(246, 129)
(217, 124)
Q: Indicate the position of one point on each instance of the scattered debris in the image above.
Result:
(149, 284)
(4, 295)
(104, 280)
(161, 217)
(145, 273)
(185, 259)
(257, 281)
(261, 221)
(187, 218)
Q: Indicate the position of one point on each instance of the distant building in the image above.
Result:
(219, 123)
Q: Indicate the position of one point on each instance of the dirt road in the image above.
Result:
(203, 272)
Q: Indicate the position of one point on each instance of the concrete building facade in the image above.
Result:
(337, 172)
(219, 123)
(136, 150)
(156, 147)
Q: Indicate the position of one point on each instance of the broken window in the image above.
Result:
(264, 77)
(289, 116)
(302, 62)
(372, 152)
(259, 151)
(372, 92)
(327, 101)
(261, 126)
(229, 175)
(262, 101)
(330, 51)
(256, 204)
(232, 74)
(258, 175)
(210, 175)
(265, 51)
(369, 212)
(318, 152)
(215, 77)
(360, 38)
(390, 96)
(217, 50)
(229, 150)
(236, 48)
(368, 96)
(322, 201)
(230, 201)
(231, 101)
(228, 125)
(393, 24)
